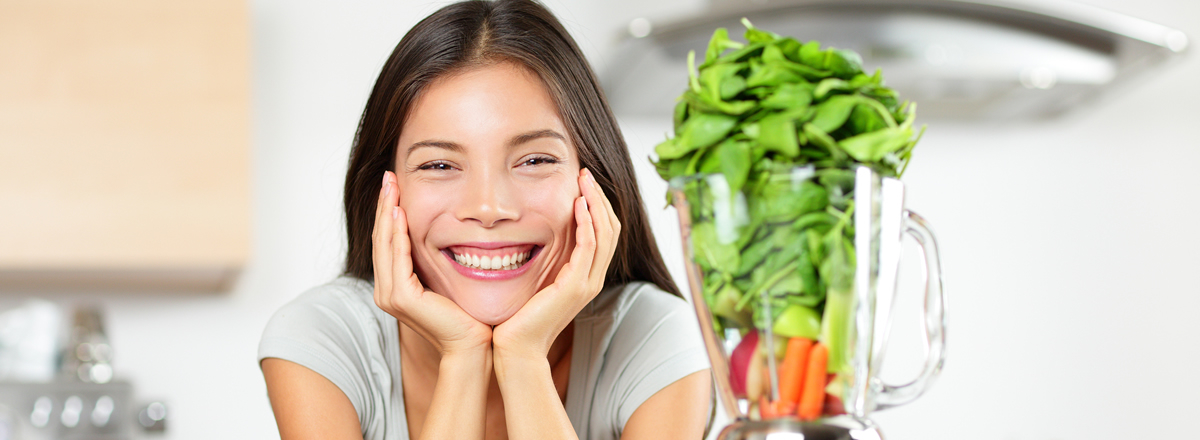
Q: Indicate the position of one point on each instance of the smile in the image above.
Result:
(506, 258)
(508, 262)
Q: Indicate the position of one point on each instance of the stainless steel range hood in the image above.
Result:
(959, 59)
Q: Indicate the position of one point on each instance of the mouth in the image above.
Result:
(491, 258)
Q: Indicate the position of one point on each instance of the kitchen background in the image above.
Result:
(1068, 245)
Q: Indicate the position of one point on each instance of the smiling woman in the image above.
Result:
(503, 281)
(492, 137)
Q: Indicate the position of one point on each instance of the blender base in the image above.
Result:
(834, 428)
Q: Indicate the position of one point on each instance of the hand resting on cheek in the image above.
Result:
(531, 331)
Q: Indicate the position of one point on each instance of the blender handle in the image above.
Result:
(934, 315)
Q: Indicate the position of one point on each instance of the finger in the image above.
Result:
(608, 208)
(595, 198)
(606, 227)
(402, 265)
(613, 222)
(381, 239)
(578, 268)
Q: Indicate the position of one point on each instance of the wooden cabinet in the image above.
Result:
(124, 144)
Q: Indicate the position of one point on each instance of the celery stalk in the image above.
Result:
(836, 332)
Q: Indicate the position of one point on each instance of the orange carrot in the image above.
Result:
(791, 375)
(813, 398)
(776, 409)
(765, 409)
(785, 408)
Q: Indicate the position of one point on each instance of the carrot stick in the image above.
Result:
(776, 409)
(785, 408)
(792, 373)
(813, 398)
(766, 410)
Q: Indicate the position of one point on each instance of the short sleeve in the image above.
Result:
(660, 343)
(330, 331)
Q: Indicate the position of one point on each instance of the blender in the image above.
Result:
(795, 309)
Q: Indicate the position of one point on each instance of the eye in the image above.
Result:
(538, 160)
(436, 165)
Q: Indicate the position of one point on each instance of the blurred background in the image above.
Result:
(1067, 240)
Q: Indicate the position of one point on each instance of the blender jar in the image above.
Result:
(793, 284)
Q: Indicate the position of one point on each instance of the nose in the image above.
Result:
(489, 199)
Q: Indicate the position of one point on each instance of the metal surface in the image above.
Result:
(66, 410)
(966, 60)
(88, 355)
(838, 428)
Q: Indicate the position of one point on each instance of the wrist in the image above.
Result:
(520, 350)
(467, 348)
(508, 363)
(466, 359)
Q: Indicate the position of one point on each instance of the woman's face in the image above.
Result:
(487, 178)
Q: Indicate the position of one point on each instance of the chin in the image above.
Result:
(490, 311)
(491, 317)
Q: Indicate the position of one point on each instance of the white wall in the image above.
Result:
(1067, 245)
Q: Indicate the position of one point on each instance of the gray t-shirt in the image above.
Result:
(629, 342)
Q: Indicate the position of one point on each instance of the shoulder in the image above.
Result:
(343, 297)
(655, 341)
(651, 324)
(344, 306)
(641, 310)
(335, 330)
(635, 301)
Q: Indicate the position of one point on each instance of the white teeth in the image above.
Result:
(505, 262)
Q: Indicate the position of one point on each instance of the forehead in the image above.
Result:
(482, 105)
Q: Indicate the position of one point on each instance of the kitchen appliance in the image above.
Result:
(84, 400)
(857, 298)
(66, 410)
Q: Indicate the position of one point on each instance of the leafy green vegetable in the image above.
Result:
(785, 123)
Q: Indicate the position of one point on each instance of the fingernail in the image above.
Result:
(385, 178)
(387, 190)
(591, 178)
(584, 203)
(395, 212)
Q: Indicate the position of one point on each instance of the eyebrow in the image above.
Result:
(516, 140)
(533, 135)
(446, 145)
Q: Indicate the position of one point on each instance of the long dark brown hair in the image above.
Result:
(477, 33)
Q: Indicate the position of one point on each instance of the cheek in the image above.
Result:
(554, 201)
(420, 207)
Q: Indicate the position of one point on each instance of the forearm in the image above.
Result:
(459, 401)
(532, 409)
